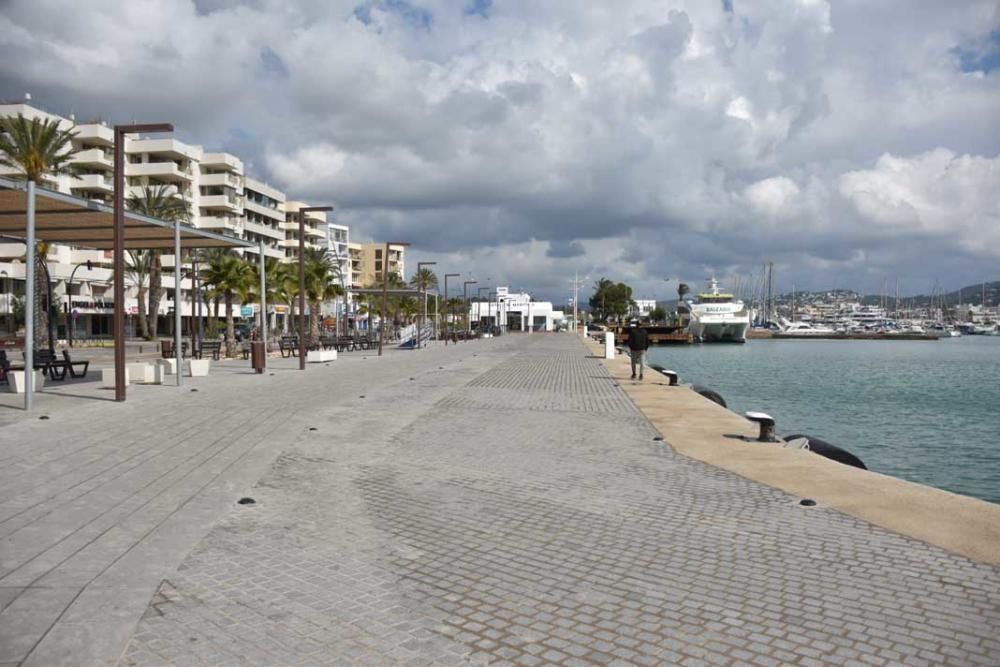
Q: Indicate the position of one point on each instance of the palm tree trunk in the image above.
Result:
(230, 326)
(41, 316)
(143, 322)
(155, 294)
(313, 322)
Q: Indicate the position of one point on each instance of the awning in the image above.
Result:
(62, 218)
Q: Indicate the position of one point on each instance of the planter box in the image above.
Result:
(320, 356)
(169, 366)
(15, 381)
(108, 378)
(198, 367)
(159, 371)
(141, 372)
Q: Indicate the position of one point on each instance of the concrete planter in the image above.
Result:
(159, 371)
(15, 381)
(169, 366)
(108, 378)
(320, 356)
(141, 372)
(198, 367)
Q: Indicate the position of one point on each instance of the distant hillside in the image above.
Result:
(972, 294)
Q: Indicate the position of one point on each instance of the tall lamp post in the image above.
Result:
(69, 296)
(447, 307)
(302, 278)
(423, 288)
(118, 261)
(385, 290)
(6, 295)
(465, 294)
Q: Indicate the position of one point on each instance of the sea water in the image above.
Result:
(926, 411)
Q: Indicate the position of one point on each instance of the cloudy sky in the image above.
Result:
(849, 142)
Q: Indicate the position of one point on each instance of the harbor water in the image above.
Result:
(924, 411)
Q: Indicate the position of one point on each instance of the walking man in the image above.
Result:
(638, 343)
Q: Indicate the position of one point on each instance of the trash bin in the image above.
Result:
(258, 359)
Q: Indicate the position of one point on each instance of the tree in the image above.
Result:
(137, 270)
(35, 148)
(230, 274)
(611, 299)
(658, 314)
(320, 272)
(157, 201)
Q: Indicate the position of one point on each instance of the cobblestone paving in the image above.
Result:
(529, 517)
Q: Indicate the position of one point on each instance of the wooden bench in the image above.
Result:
(213, 347)
(72, 365)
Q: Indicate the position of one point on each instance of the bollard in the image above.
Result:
(766, 423)
(609, 345)
(671, 377)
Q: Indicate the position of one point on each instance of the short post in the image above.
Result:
(609, 345)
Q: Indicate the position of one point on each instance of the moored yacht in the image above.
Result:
(804, 329)
(717, 316)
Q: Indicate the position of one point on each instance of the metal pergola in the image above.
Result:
(30, 214)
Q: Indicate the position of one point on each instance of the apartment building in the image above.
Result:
(371, 263)
(222, 198)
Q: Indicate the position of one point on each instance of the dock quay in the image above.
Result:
(505, 501)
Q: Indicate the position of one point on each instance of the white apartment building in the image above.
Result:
(223, 199)
(515, 312)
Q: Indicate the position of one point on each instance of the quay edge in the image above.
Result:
(703, 430)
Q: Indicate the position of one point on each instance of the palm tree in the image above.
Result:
(320, 287)
(37, 148)
(230, 274)
(138, 270)
(157, 201)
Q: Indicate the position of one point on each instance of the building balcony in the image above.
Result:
(221, 222)
(264, 230)
(167, 172)
(98, 158)
(95, 133)
(275, 214)
(222, 161)
(226, 202)
(315, 232)
(93, 182)
(223, 180)
(165, 148)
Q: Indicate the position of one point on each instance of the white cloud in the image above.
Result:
(652, 133)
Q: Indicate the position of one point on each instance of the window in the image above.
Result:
(378, 253)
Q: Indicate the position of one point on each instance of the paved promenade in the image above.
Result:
(500, 502)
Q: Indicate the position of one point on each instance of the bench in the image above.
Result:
(46, 361)
(167, 349)
(288, 346)
(213, 347)
(72, 365)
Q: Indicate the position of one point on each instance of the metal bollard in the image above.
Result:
(766, 423)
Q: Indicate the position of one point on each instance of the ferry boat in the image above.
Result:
(716, 316)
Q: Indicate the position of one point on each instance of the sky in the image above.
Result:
(524, 142)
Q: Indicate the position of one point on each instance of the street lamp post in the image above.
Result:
(465, 294)
(447, 307)
(69, 296)
(385, 291)
(302, 278)
(423, 288)
(118, 261)
(6, 296)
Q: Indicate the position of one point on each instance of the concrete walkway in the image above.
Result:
(501, 502)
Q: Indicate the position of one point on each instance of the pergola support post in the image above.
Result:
(178, 335)
(263, 299)
(29, 301)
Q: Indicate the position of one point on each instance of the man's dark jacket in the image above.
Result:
(638, 339)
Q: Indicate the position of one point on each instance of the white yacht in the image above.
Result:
(717, 317)
(804, 329)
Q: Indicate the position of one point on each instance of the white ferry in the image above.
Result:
(717, 317)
